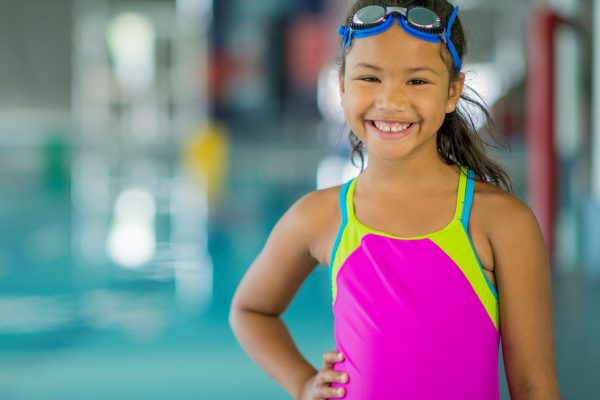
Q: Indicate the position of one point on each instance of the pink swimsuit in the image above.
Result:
(416, 318)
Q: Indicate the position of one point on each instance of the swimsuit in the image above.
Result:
(415, 317)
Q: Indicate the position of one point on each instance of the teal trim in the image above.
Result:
(465, 223)
(468, 199)
(338, 238)
(492, 288)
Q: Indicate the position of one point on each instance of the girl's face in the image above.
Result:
(395, 93)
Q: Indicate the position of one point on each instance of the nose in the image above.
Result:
(392, 97)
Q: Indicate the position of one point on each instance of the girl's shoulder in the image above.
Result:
(319, 203)
(320, 208)
(318, 212)
(498, 210)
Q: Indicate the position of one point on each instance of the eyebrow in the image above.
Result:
(413, 69)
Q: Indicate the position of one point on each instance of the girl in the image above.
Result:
(429, 256)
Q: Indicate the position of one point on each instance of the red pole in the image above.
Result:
(542, 160)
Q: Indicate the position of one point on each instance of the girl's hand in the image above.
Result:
(317, 387)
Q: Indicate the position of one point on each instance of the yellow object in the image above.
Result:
(206, 158)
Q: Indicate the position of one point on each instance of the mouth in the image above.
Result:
(391, 129)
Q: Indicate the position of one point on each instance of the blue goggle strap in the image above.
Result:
(346, 33)
(457, 62)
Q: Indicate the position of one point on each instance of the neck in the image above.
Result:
(416, 172)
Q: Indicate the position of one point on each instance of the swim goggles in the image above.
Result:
(419, 22)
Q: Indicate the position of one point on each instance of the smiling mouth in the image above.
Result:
(391, 127)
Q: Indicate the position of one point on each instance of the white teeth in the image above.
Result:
(391, 127)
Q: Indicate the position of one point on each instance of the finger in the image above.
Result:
(330, 376)
(331, 357)
(329, 392)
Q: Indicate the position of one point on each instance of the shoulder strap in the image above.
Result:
(468, 199)
(344, 211)
(344, 200)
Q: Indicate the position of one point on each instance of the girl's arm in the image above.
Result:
(524, 289)
(269, 286)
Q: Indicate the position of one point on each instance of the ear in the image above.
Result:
(454, 92)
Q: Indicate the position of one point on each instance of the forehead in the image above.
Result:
(395, 49)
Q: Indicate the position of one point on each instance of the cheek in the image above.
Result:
(437, 106)
(347, 108)
(352, 102)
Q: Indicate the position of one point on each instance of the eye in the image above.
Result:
(368, 79)
(417, 82)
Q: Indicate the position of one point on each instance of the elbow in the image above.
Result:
(237, 312)
(243, 314)
(234, 315)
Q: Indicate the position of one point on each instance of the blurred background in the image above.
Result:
(148, 148)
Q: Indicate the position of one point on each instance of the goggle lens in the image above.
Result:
(423, 18)
(369, 15)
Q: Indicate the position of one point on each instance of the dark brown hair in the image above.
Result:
(458, 141)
